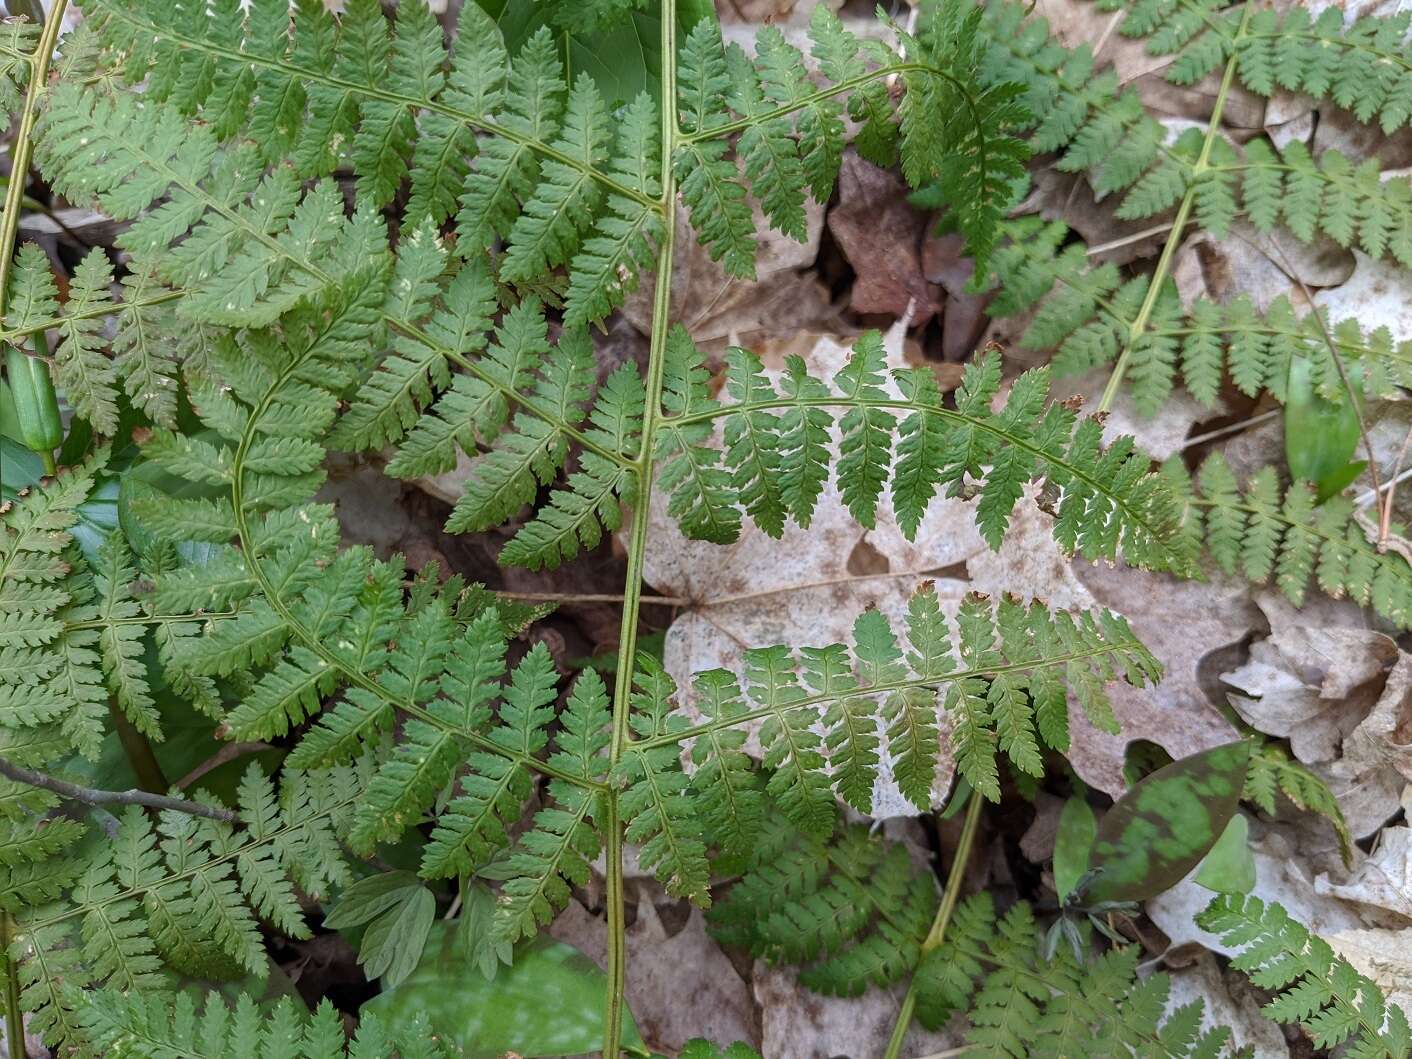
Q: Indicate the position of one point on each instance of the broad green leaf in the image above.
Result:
(1073, 844)
(1230, 866)
(97, 516)
(1161, 828)
(548, 1002)
(399, 912)
(623, 59)
(1321, 436)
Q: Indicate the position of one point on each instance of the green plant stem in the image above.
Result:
(637, 546)
(1174, 237)
(937, 934)
(14, 1018)
(24, 147)
(140, 754)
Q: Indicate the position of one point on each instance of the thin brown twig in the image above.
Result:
(227, 752)
(92, 796)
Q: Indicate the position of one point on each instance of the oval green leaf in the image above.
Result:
(549, 1002)
(1230, 866)
(1321, 436)
(1073, 845)
(1161, 828)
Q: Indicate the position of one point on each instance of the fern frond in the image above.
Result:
(1273, 771)
(175, 1027)
(1086, 313)
(1261, 534)
(185, 891)
(1002, 689)
(950, 131)
(851, 909)
(1107, 502)
(1312, 986)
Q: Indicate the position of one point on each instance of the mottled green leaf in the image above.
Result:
(1163, 826)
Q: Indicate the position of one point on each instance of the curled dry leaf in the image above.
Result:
(1383, 881)
(1320, 678)
(881, 235)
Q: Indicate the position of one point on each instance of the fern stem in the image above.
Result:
(315, 644)
(14, 1019)
(138, 750)
(637, 546)
(937, 934)
(734, 720)
(96, 312)
(24, 147)
(1174, 237)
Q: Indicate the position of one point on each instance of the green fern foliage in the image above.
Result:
(1272, 772)
(778, 458)
(792, 134)
(1313, 987)
(159, 1027)
(1019, 1004)
(187, 892)
(1099, 128)
(511, 151)
(855, 913)
(850, 910)
(1265, 533)
(1003, 691)
(1086, 311)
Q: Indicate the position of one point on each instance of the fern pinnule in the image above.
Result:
(1263, 532)
(1312, 985)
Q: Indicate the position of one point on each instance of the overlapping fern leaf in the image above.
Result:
(176, 1027)
(1313, 987)
(1099, 128)
(185, 892)
(105, 347)
(854, 913)
(948, 130)
(1003, 685)
(514, 152)
(1265, 533)
(848, 909)
(1086, 311)
(781, 436)
(1273, 771)
(1020, 1005)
